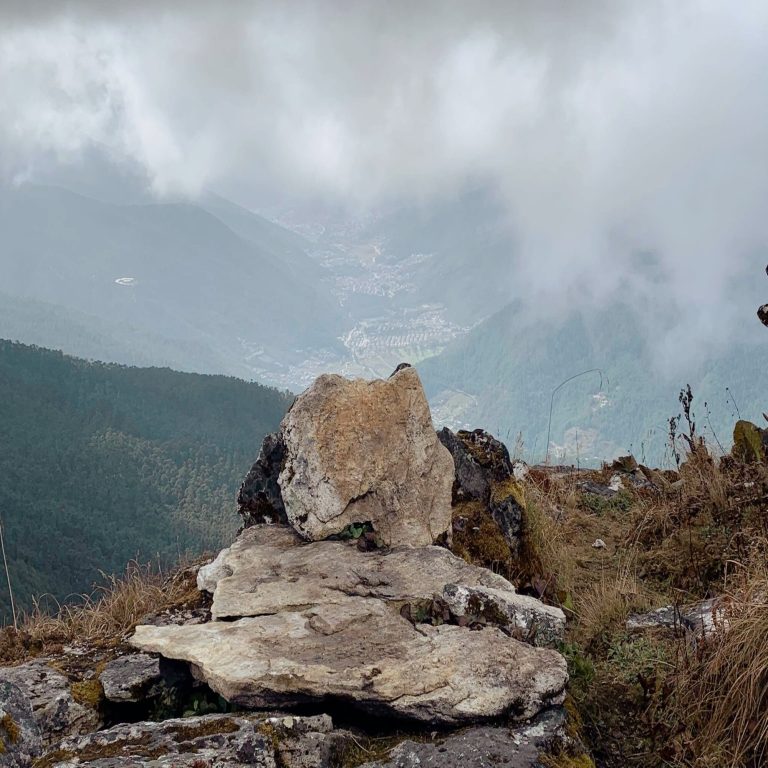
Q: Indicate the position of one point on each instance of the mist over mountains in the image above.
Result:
(324, 191)
(208, 286)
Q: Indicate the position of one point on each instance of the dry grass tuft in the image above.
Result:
(605, 605)
(104, 618)
(720, 702)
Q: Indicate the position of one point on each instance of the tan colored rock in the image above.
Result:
(359, 651)
(366, 451)
(318, 620)
(270, 569)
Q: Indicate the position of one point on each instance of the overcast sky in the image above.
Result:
(608, 128)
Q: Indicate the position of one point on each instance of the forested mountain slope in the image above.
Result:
(102, 463)
(501, 376)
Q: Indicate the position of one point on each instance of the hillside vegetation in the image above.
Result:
(504, 371)
(101, 463)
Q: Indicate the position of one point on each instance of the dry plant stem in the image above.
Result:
(8, 577)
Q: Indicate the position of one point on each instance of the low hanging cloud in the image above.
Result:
(627, 140)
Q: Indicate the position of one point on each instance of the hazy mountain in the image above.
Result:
(173, 270)
(98, 338)
(103, 463)
(461, 252)
(501, 376)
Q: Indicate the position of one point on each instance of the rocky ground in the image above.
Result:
(400, 597)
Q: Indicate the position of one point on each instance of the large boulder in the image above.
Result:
(301, 622)
(366, 452)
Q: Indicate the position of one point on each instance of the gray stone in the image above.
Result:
(209, 741)
(20, 739)
(360, 652)
(701, 618)
(529, 618)
(366, 451)
(271, 569)
(131, 678)
(259, 499)
(516, 746)
(50, 694)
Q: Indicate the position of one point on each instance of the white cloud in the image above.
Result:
(609, 128)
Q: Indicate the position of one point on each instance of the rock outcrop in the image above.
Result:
(211, 741)
(366, 451)
(352, 624)
(517, 746)
(56, 708)
(398, 627)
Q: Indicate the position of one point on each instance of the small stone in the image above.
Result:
(131, 678)
(598, 544)
(532, 620)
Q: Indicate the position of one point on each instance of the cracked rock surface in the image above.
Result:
(517, 746)
(323, 621)
(210, 741)
(366, 451)
(56, 711)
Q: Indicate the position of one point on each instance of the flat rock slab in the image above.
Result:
(359, 651)
(270, 569)
(210, 741)
(366, 451)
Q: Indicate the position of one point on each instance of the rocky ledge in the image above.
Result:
(296, 623)
(340, 595)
